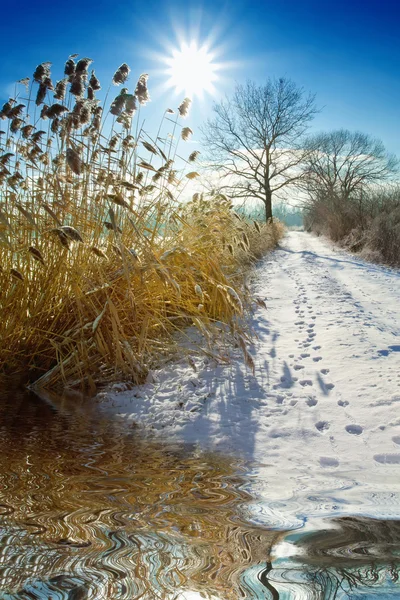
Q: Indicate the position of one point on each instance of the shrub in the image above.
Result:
(367, 222)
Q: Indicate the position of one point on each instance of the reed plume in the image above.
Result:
(141, 91)
(184, 106)
(121, 74)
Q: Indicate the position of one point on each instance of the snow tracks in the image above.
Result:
(322, 408)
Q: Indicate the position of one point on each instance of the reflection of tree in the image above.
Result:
(355, 554)
(114, 516)
(333, 582)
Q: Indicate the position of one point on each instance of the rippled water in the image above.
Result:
(89, 509)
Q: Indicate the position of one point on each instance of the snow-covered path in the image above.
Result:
(320, 419)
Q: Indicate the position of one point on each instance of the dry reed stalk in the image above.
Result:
(98, 266)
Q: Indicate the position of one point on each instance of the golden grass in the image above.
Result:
(99, 260)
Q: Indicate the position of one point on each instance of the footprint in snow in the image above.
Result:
(396, 439)
(354, 429)
(322, 426)
(311, 401)
(305, 382)
(327, 461)
(324, 371)
(343, 403)
(317, 358)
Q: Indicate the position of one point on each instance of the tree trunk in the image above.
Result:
(268, 206)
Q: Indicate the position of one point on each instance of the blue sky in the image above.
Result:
(348, 53)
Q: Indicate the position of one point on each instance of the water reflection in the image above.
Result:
(90, 510)
(347, 557)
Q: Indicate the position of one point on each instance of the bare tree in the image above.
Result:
(342, 162)
(255, 139)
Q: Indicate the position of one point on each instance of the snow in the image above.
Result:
(319, 421)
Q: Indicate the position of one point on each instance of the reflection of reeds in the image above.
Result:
(118, 516)
(94, 305)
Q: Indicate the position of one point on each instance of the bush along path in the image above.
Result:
(320, 411)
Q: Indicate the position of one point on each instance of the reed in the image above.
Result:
(100, 262)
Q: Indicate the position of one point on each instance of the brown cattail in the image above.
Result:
(94, 82)
(69, 68)
(118, 104)
(186, 133)
(121, 74)
(172, 177)
(96, 122)
(127, 142)
(183, 108)
(73, 161)
(48, 83)
(16, 274)
(149, 147)
(25, 81)
(5, 158)
(110, 227)
(130, 105)
(5, 111)
(16, 111)
(56, 110)
(141, 91)
(81, 112)
(37, 255)
(98, 252)
(41, 94)
(42, 71)
(193, 155)
(72, 233)
(43, 112)
(112, 144)
(145, 165)
(63, 238)
(77, 86)
(15, 125)
(55, 124)
(36, 137)
(61, 89)
(82, 66)
(167, 166)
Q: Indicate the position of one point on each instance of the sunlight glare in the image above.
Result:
(191, 70)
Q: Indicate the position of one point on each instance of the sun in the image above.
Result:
(191, 70)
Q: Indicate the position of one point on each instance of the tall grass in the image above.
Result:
(100, 262)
